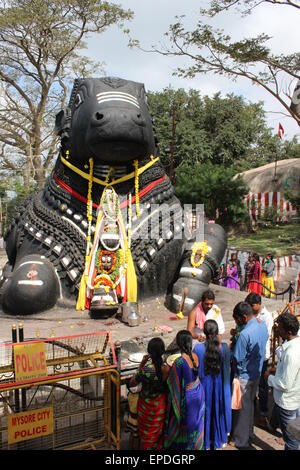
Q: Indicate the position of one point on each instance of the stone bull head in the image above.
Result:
(107, 119)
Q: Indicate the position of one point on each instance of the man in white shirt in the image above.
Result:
(262, 314)
(286, 381)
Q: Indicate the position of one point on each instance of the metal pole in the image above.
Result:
(290, 291)
(118, 355)
(23, 391)
(16, 392)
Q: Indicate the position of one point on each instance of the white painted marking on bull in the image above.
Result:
(186, 270)
(118, 99)
(31, 283)
(110, 94)
(59, 283)
(74, 225)
(117, 96)
(187, 299)
(30, 262)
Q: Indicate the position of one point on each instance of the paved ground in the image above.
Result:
(63, 322)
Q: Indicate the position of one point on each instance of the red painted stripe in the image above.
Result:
(266, 196)
(258, 205)
(72, 192)
(122, 205)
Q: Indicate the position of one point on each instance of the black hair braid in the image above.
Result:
(156, 348)
(212, 358)
(188, 350)
(158, 362)
(184, 341)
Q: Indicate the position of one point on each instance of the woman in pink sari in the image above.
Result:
(255, 275)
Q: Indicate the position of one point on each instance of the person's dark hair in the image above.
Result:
(256, 256)
(212, 358)
(208, 294)
(271, 256)
(289, 322)
(156, 348)
(241, 309)
(184, 341)
(253, 298)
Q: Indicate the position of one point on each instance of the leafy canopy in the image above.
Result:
(213, 186)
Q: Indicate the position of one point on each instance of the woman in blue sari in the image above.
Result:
(185, 416)
(214, 374)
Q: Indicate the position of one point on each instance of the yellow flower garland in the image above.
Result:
(203, 248)
(89, 210)
(136, 185)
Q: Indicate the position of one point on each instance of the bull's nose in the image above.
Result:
(104, 117)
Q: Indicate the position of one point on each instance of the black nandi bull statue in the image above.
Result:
(108, 163)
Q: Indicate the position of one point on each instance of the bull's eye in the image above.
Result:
(78, 100)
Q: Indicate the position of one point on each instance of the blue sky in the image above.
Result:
(151, 21)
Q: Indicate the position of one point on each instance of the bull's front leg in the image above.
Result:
(200, 264)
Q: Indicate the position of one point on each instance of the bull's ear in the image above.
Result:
(63, 122)
(59, 122)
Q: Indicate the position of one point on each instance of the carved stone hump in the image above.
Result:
(107, 119)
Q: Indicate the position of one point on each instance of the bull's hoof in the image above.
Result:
(32, 287)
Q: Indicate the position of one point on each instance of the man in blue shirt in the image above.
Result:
(248, 358)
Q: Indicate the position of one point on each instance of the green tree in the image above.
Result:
(41, 43)
(187, 110)
(211, 50)
(221, 130)
(213, 186)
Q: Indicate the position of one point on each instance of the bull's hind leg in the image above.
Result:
(32, 286)
(197, 279)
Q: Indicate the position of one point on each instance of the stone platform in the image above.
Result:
(64, 322)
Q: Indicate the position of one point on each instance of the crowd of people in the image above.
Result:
(258, 277)
(206, 398)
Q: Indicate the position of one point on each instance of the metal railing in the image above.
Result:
(82, 388)
(289, 290)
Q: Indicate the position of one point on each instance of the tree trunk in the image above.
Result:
(26, 175)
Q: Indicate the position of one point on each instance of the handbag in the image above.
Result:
(236, 397)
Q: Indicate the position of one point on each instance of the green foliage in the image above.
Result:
(294, 197)
(213, 186)
(281, 240)
(221, 130)
(9, 204)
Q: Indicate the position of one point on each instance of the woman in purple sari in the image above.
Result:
(185, 415)
(233, 275)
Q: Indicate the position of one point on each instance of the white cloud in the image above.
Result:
(152, 20)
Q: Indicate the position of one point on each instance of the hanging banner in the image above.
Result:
(29, 361)
(29, 424)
